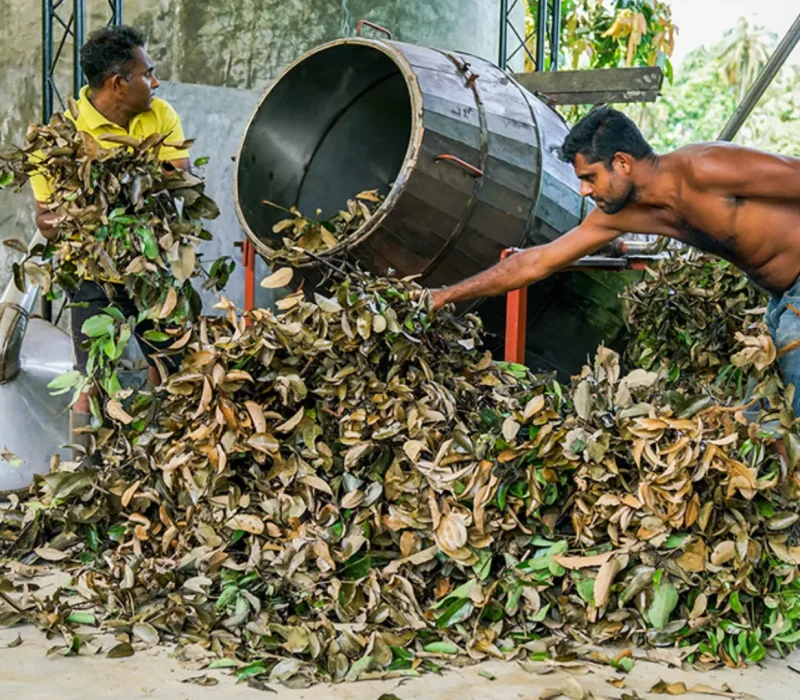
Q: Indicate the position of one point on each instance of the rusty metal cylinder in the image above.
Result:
(466, 158)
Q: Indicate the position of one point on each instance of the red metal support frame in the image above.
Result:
(516, 316)
(517, 300)
(249, 264)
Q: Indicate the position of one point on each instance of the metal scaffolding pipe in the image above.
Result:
(502, 59)
(762, 82)
(541, 33)
(116, 12)
(555, 34)
(78, 34)
(47, 60)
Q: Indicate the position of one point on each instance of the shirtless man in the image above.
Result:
(737, 203)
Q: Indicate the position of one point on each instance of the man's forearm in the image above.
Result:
(514, 272)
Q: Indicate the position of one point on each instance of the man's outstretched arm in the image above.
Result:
(532, 264)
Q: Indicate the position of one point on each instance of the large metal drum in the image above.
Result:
(466, 157)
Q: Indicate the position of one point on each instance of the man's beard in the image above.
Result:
(613, 206)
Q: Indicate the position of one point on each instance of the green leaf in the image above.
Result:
(114, 312)
(501, 495)
(402, 654)
(461, 592)
(484, 565)
(664, 602)
(82, 618)
(228, 595)
(441, 648)
(541, 542)
(675, 541)
(99, 325)
(92, 538)
(789, 638)
(111, 384)
(201, 161)
(6, 178)
(149, 242)
(224, 663)
(539, 616)
(736, 604)
(358, 667)
(157, 336)
(356, 568)
(256, 668)
(456, 612)
(625, 664)
(66, 380)
(585, 588)
(116, 533)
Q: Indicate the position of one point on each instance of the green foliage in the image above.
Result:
(708, 86)
(611, 33)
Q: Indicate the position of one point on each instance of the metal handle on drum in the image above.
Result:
(376, 27)
(471, 169)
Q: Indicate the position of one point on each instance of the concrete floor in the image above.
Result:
(25, 672)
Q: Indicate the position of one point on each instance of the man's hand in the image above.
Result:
(439, 297)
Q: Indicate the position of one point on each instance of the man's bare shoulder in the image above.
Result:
(706, 165)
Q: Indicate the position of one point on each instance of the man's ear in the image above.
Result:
(623, 161)
(116, 82)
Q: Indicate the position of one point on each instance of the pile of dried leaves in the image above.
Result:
(351, 488)
(302, 237)
(122, 219)
(685, 317)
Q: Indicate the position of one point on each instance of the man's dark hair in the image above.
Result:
(109, 51)
(603, 133)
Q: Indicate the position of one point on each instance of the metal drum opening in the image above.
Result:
(334, 124)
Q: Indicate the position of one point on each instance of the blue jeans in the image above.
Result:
(784, 327)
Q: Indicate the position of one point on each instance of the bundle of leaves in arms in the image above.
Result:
(302, 238)
(122, 218)
(351, 488)
(686, 316)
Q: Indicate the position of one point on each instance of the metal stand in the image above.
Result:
(547, 33)
(249, 264)
(53, 23)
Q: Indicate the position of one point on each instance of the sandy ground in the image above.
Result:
(25, 672)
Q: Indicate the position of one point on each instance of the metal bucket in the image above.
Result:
(466, 157)
(33, 423)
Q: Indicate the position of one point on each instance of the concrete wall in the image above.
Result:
(233, 46)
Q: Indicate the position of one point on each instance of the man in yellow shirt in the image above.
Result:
(119, 99)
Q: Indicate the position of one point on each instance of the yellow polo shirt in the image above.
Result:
(161, 118)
